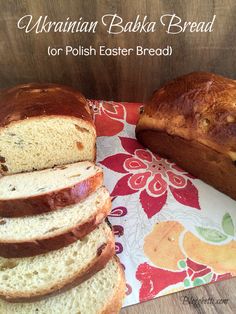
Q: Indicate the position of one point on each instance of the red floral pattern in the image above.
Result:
(110, 117)
(118, 212)
(154, 182)
(150, 176)
(154, 280)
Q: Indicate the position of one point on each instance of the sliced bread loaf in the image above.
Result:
(27, 278)
(41, 191)
(101, 294)
(44, 125)
(34, 235)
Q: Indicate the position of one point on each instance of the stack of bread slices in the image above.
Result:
(57, 251)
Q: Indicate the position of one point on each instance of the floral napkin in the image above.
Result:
(173, 231)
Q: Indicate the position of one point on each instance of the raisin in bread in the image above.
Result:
(33, 193)
(192, 121)
(43, 125)
(28, 278)
(101, 294)
(34, 235)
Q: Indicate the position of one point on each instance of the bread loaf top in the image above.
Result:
(198, 106)
(33, 100)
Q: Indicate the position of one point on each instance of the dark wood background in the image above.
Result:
(23, 57)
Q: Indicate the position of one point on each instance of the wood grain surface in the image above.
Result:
(174, 303)
(23, 57)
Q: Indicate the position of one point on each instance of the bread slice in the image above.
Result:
(41, 191)
(43, 125)
(25, 278)
(102, 293)
(34, 235)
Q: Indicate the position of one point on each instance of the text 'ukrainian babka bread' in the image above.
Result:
(33, 235)
(33, 193)
(101, 294)
(43, 125)
(192, 121)
(22, 279)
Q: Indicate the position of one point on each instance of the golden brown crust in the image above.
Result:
(203, 162)
(97, 264)
(192, 121)
(39, 101)
(44, 244)
(115, 304)
(198, 106)
(42, 203)
(34, 100)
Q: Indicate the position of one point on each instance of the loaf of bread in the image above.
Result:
(36, 192)
(101, 294)
(33, 235)
(42, 126)
(56, 247)
(192, 121)
(28, 278)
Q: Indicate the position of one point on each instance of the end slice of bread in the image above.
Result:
(101, 294)
(40, 143)
(28, 278)
(34, 235)
(43, 125)
(41, 191)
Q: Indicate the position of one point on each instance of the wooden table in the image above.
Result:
(131, 78)
(174, 303)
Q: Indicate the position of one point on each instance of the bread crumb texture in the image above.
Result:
(43, 273)
(24, 185)
(39, 143)
(52, 223)
(91, 297)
